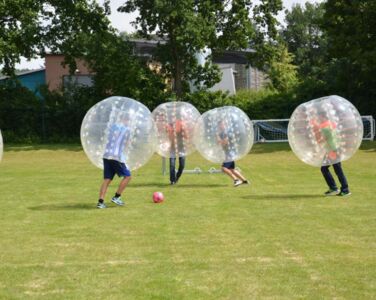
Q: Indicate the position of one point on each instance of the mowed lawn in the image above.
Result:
(277, 238)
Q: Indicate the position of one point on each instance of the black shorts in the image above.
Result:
(229, 165)
(112, 167)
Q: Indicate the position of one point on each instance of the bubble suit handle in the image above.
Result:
(224, 134)
(121, 129)
(325, 131)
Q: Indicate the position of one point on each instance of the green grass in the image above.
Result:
(278, 238)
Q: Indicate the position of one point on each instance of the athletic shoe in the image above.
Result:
(245, 182)
(343, 194)
(101, 205)
(331, 192)
(117, 201)
(237, 182)
(172, 182)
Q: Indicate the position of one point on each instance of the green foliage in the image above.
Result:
(189, 26)
(25, 118)
(118, 71)
(265, 40)
(351, 28)
(266, 103)
(205, 100)
(262, 104)
(29, 28)
(305, 38)
(282, 73)
(19, 113)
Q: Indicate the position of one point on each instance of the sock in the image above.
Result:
(117, 195)
(100, 200)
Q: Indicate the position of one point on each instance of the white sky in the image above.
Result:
(121, 21)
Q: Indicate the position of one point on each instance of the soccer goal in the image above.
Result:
(275, 130)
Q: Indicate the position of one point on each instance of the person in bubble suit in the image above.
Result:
(325, 135)
(176, 143)
(114, 161)
(229, 166)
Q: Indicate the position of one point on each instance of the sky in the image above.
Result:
(122, 22)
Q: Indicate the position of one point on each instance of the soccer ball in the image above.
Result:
(158, 197)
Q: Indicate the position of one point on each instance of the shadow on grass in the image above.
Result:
(82, 206)
(200, 185)
(181, 185)
(283, 197)
(270, 147)
(368, 146)
(51, 147)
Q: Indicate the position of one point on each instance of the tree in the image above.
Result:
(282, 73)
(185, 27)
(305, 38)
(118, 71)
(30, 28)
(351, 30)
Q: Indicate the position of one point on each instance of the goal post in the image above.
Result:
(275, 130)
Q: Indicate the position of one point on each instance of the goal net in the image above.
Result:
(275, 130)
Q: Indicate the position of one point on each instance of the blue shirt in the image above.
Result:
(116, 140)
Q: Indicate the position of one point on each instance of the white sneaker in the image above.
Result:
(117, 201)
(237, 182)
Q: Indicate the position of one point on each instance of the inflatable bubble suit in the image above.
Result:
(325, 131)
(175, 122)
(1, 146)
(119, 128)
(224, 134)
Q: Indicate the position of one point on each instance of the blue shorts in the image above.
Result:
(229, 165)
(112, 167)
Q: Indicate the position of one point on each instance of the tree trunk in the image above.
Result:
(178, 86)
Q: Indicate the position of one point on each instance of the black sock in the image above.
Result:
(100, 200)
(117, 195)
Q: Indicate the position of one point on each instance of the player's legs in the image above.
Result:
(181, 167)
(172, 170)
(229, 172)
(341, 177)
(123, 184)
(238, 175)
(329, 180)
(104, 187)
(121, 171)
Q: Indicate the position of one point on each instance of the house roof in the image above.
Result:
(147, 47)
(22, 73)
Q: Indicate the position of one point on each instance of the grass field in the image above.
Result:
(278, 238)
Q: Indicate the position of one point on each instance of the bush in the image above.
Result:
(20, 119)
(262, 104)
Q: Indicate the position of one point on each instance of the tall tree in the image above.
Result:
(351, 30)
(118, 71)
(185, 27)
(305, 38)
(30, 28)
(282, 73)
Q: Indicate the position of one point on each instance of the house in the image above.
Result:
(58, 76)
(236, 72)
(31, 79)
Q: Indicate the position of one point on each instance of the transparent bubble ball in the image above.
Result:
(175, 122)
(119, 128)
(325, 131)
(1, 146)
(224, 134)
